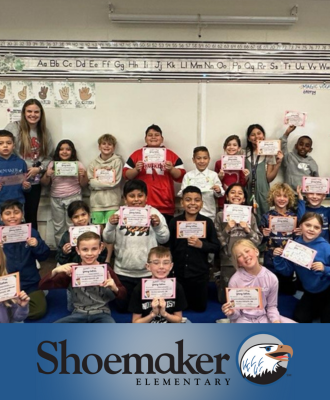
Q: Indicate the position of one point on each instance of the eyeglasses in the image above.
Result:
(157, 262)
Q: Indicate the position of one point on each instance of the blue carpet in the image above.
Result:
(56, 301)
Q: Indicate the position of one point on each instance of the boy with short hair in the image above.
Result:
(298, 163)
(105, 196)
(132, 244)
(190, 256)
(158, 310)
(90, 302)
(206, 180)
(11, 165)
(22, 257)
(159, 179)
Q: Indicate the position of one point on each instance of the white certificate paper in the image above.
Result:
(204, 183)
(232, 163)
(12, 179)
(76, 231)
(299, 254)
(296, 118)
(164, 288)
(9, 286)
(134, 216)
(268, 147)
(186, 229)
(312, 184)
(154, 155)
(66, 168)
(237, 213)
(282, 224)
(15, 233)
(88, 275)
(245, 297)
(105, 175)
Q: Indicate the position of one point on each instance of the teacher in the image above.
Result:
(34, 144)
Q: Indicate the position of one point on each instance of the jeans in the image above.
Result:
(80, 318)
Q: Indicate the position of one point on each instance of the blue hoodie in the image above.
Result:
(312, 281)
(323, 211)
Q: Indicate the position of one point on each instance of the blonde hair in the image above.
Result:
(276, 190)
(3, 272)
(241, 242)
(108, 139)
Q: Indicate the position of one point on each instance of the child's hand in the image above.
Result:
(114, 219)
(110, 283)
(81, 172)
(297, 231)
(216, 188)
(195, 242)
(221, 174)
(227, 309)
(66, 268)
(23, 299)
(49, 172)
(32, 172)
(290, 129)
(279, 157)
(246, 173)
(1, 186)
(67, 248)
(230, 225)
(26, 185)
(154, 219)
(245, 226)
(155, 305)
(139, 166)
(276, 322)
(299, 192)
(317, 266)
(266, 231)
(278, 251)
(168, 165)
(32, 242)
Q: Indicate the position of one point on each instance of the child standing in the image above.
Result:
(105, 196)
(282, 198)
(159, 179)
(232, 147)
(22, 256)
(64, 189)
(315, 301)
(15, 310)
(298, 163)
(132, 244)
(251, 274)
(91, 302)
(207, 181)
(190, 256)
(11, 165)
(158, 310)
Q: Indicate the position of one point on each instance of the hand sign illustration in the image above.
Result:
(43, 92)
(3, 92)
(64, 92)
(22, 93)
(84, 93)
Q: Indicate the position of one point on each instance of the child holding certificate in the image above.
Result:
(190, 250)
(65, 187)
(159, 168)
(208, 181)
(16, 309)
(132, 241)
(232, 147)
(229, 232)
(315, 302)
(250, 274)
(22, 257)
(282, 200)
(158, 310)
(90, 301)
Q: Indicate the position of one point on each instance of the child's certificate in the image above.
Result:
(154, 155)
(15, 233)
(232, 163)
(268, 147)
(186, 229)
(164, 288)
(12, 179)
(245, 298)
(203, 182)
(315, 185)
(76, 231)
(296, 118)
(88, 275)
(66, 168)
(9, 286)
(237, 213)
(105, 175)
(134, 216)
(282, 224)
(299, 254)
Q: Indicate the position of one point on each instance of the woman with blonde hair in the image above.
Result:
(34, 145)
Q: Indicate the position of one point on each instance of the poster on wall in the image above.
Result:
(22, 91)
(44, 92)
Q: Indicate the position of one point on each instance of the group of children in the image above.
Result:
(138, 252)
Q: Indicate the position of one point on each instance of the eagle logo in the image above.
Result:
(263, 359)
